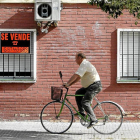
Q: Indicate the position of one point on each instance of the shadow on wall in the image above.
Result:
(21, 18)
(14, 87)
(113, 85)
(18, 16)
(14, 16)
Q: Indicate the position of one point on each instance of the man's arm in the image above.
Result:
(75, 78)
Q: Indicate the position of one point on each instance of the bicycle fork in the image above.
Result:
(60, 110)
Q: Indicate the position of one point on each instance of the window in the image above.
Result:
(128, 55)
(18, 55)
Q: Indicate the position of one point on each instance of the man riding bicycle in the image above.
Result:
(91, 85)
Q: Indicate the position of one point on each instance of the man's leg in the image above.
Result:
(79, 99)
(86, 101)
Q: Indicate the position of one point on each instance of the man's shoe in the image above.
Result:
(76, 114)
(92, 123)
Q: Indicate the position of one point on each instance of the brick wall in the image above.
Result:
(82, 28)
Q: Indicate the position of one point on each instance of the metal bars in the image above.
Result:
(122, 54)
(16, 65)
(133, 53)
(139, 56)
(130, 54)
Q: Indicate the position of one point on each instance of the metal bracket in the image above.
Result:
(45, 26)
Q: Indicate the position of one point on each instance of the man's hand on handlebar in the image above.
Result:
(66, 85)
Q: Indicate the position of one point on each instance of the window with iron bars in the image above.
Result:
(128, 54)
(19, 67)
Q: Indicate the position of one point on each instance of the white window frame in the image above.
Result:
(119, 80)
(33, 80)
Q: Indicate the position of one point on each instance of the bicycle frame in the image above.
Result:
(107, 112)
(98, 104)
(84, 118)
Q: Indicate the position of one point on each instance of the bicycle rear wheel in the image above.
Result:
(51, 122)
(109, 122)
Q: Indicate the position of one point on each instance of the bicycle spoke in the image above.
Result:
(110, 118)
(51, 122)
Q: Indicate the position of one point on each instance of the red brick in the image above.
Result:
(82, 27)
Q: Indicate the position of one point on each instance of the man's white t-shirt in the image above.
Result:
(88, 73)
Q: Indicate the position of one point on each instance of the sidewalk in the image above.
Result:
(34, 131)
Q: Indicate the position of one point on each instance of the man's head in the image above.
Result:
(79, 57)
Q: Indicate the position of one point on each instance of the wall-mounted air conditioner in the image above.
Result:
(47, 10)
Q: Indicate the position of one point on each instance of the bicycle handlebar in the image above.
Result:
(60, 73)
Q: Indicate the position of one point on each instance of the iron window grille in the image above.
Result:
(128, 55)
(19, 66)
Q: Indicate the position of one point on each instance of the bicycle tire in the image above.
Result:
(52, 123)
(113, 120)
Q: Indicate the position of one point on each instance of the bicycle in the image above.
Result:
(57, 116)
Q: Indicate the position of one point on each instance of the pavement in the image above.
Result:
(33, 130)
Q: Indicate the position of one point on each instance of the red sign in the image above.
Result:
(15, 42)
(15, 49)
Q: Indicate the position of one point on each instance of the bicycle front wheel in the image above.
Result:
(109, 116)
(50, 120)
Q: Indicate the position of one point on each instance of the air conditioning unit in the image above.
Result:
(47, 10)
